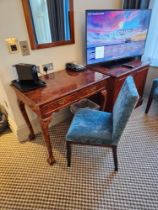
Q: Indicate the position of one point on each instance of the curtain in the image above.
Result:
(136, 4)
(151, 49)
(56, 19)
(40, 21)
(67, 19)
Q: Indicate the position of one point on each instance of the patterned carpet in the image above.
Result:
(28, 182)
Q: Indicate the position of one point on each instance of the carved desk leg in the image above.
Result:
(24, 113)
(103, 99)
(45, 126)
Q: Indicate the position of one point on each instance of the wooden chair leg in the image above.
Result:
(68, 146)
(149, 103)
(114, 151)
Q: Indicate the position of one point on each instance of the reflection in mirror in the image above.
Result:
(49, 22)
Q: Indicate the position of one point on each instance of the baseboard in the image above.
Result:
(22, 132)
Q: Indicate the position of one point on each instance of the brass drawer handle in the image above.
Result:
(93, 89)
(61, 102)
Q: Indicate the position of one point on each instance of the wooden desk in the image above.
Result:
(63, 88)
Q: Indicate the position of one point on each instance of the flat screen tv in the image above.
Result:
(115, 34)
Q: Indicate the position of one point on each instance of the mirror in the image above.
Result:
(49, 22)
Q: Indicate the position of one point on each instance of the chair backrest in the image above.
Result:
(125, 103)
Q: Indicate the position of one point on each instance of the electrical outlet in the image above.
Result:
(49, 66)
(24, 48)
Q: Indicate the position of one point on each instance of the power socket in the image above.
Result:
(24, 48)
(48, 66)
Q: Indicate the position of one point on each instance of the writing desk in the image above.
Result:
(63, 88)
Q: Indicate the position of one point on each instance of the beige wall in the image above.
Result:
(12, 24)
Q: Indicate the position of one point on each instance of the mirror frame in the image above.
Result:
(30, 28)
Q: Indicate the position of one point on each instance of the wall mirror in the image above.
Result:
(49, 22)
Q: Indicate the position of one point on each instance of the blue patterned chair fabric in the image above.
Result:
(102, 128)
(154, 89)
(153, 94)
(123, 107)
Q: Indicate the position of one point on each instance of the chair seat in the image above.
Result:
(155, 94)
(91, 127)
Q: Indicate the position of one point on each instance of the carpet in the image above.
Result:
(28, 182)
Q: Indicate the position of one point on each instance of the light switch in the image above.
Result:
(12, 45)
(24, 48)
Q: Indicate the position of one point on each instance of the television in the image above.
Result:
(115, 34)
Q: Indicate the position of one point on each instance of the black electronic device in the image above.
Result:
(115, 35)
(27, 77)
(27, 86)
(27, 72)
(75, 66)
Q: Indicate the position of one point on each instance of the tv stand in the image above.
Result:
(118, 73)
(126, 62)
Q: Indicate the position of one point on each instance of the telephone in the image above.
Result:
(75, 66)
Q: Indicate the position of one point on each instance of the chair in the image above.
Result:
(153, 94)
(97, 128)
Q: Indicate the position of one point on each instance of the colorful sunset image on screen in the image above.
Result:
(114, 35)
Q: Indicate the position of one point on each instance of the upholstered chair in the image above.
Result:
(93, 127)
(153, 94)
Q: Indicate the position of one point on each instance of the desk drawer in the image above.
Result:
(58, 104)
(52, 106)
(88, 91)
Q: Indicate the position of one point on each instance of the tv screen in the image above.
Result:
(115, 34)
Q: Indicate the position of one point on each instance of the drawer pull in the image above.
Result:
(61, 102)
(93, 89)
